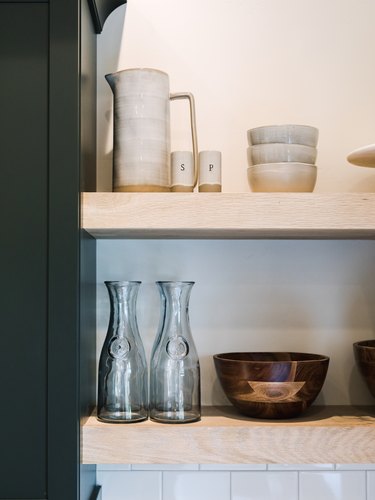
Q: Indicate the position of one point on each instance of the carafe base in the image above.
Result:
(121, 418)
(168, 417)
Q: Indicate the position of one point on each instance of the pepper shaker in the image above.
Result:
(210, 172)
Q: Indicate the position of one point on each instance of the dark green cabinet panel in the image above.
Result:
(23, 181)
(47, 153)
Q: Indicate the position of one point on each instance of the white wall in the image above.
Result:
(312, 296)
(250, 63)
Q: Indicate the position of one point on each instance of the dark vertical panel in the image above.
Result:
(23, 199)
(40, 179)
(63, 372)
(88, 244)
(24, 1)
(87, 348)
(88, 101)
(72, 252)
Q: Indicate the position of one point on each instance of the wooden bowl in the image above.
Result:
(364, 353)
(271, 384)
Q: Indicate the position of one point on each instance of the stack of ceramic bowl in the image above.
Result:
(282, 158)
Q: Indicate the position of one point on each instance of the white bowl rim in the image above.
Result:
(285, 125)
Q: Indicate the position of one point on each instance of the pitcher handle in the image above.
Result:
(188, 95)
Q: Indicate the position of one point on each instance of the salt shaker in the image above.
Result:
(182, 171)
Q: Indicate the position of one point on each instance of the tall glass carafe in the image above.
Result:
(122, 380)
(174, 368)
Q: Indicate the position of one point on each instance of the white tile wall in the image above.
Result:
(130, 485)
(370, 485)
(264, 486)
(346, 485)
(196, 485)
(237, 482)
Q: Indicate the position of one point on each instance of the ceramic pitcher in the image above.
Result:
(141, 145)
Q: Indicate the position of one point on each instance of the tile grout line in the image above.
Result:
(162, 486)
(298, 485)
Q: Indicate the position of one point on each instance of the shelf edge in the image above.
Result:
(229, 215)
(333, 434)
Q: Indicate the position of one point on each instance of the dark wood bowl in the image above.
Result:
(364, 353)
(271, 384)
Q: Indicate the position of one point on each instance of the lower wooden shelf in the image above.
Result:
(329, 434)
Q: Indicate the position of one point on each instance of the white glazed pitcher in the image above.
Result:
(141, 145)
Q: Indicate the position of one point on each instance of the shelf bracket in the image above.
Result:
(100, 10)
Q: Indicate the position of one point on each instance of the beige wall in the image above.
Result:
(250, 63)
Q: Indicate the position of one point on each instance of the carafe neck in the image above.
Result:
(175, 300)
(123, 297)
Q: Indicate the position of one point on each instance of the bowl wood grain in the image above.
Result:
(364, 353)
(271, 384)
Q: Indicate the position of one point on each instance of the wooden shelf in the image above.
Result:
(332, 434)
(230, 215)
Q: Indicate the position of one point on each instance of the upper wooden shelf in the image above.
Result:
(332, 434)
(229, 215)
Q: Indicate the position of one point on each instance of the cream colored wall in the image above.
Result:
(249, 63)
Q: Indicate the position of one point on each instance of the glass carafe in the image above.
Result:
(174, 367)
(122, 380)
